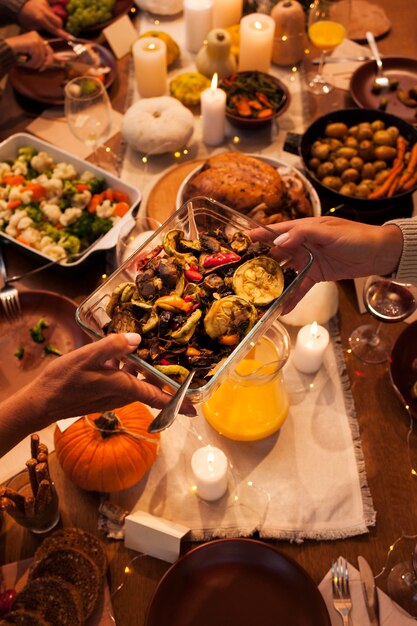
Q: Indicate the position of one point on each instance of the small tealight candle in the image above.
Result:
(209, 467)
(312, 341)
(149, 55)
(213, 113)
(226, 13)
(198, 22)
(256, 41)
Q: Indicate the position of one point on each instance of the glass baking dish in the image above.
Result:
(198, 215)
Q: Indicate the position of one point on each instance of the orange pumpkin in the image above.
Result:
(104, 451)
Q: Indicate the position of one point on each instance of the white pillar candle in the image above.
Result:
(213, 112)
(149, 55)
(198, 22)
(312, 341)
(256, 41)
(209, 467)
(226, 13)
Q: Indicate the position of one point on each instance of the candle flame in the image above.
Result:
(151, 47)
(258, 25)
(214, 81)
(314, 330)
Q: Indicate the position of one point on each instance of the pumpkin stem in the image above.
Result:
(107, 423)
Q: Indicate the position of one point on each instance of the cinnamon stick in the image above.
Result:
(31, 465)
(34, 445)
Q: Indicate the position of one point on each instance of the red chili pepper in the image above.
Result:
(164, 362)
(188, 298)
(220, 258)
(193, 276)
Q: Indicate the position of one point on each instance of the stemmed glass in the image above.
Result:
(388, 301)
(88, 110)
(328, 22)
(402, 584)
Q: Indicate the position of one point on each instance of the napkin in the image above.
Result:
(389, 612)
(339, 74)
(52, 127)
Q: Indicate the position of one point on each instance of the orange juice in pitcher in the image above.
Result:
(252, 402)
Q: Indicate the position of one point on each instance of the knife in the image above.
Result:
(370, 591)
(341, 59)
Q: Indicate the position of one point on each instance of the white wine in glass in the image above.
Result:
(88, 110)
(328, 21)
(388, 301)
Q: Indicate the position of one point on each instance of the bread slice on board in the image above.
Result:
(23, 618)
(54, 599)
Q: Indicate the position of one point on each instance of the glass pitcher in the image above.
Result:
(252, 402)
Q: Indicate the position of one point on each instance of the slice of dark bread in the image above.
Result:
(56, 600)
(21, 617)
(75, 538)
(74, 566)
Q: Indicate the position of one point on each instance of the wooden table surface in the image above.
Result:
(382, 420)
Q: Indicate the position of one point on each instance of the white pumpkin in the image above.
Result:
(319, 304)
(157, 125)
(160, 7)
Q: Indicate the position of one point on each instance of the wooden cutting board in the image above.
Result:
(161, 201)
(367, 16)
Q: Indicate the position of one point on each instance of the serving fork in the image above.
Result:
(342, 601)
(9, 296)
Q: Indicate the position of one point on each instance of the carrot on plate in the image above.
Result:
(121, 208)
(13, 179)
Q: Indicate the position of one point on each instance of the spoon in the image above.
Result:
(170, 411)
(380, 80)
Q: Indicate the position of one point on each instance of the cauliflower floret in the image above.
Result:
(17, 193)
(4, 169)
(105, 209)
(86, 176)
(45, 241)
(42, 162)
(11, 228)
(51, 211)
(64, 170)
(69, 216)
(31, 236)
(54, 251)
(4, 192)
(20, 167)
(5, 213)
(81, 199)
(24, 222)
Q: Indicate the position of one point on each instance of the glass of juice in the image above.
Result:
(252, 403)
(328, 21)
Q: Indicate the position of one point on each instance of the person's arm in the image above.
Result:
(7, 58)
(9, 10)
(38, 15)
(406, 271)
(39, 53)
(341, 249)
(84, 381)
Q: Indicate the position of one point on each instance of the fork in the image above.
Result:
(342, 601)
(380, 80)
(82, 51)
(9, 296)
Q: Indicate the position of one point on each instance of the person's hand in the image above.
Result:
(37, 14)
(31, 45)
(341, 249)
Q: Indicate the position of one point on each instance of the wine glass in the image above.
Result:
(328, 22)
(388, 301)
(402, 584)
(133, 234)
(88, 110)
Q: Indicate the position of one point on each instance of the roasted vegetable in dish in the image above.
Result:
(252, 95)
(51, 207)
(193, 301)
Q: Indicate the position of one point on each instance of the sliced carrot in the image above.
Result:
(13, 204)
(265, 113)
(121, 208)
(81, 187)
(120, 196)
(13, 179)
(36, 190)
(229, 340)
(108, 194)
(411, 167)
(21, 239)
(94, 202)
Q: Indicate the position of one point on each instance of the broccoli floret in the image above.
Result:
(52, 232)
(100, 226)
(69, 188)
(96, 185)
(26, 153)
(71, 244)
(48, 349)
(35, 213)
(36, 331)
(19, 354)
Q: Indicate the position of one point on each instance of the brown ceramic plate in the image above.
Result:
(402, 69)
(63, 333)
(403, 366)
(48, 86)
(236, 581)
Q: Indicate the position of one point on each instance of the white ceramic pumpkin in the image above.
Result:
(160, 7)
(157, 125)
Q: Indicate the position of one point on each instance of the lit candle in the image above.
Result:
(312, 341)
(198, 22)
(256, 41)
(226, 13)
(209, 467)
(213, 112)
(149, 55)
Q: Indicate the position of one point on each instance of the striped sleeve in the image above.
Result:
(407, 267)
